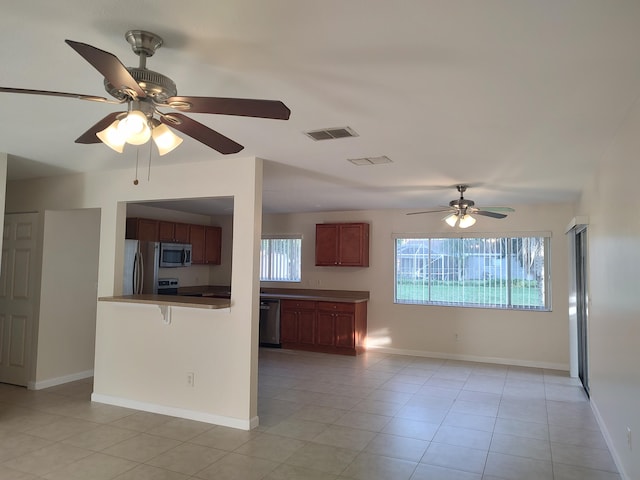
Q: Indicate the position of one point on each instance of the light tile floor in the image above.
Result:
(323, 417)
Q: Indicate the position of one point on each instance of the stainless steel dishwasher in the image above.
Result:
(270, 323)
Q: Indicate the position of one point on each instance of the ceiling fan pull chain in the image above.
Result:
(135, 182)
(149, 172)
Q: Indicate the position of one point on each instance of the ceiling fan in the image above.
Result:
(144, 92)
(460, 210)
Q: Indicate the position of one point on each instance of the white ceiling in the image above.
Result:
(519, 99)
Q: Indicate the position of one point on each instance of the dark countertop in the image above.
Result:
(346, 296)
(222, 291)
(171, 300)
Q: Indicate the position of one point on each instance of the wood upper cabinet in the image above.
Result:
(206, 244)
(196, 238)
(205, 240)
(342, 244)
(181, 233)
(212, 245)
(143, 229)
(173, 232)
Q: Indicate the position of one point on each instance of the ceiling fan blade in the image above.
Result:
(109, 66)
(489, 214)
(498, 209)
(201, 132)
(231, 106)
(90, 135)
(79, 96)
(431, 211)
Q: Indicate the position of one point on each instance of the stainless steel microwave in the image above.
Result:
(175, 255)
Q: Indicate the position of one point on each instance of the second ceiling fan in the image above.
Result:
(461, 210)
(144, 91)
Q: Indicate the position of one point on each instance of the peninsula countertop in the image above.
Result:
(216, 297)
(223, 291)
(171, 300)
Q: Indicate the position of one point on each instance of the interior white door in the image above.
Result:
(18, 297)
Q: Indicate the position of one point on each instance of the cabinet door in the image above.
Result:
(307, 327)
(353, 245)
(196, 238)
(166, 231)
(213, 245)
(181, 232)
(326, 329)
(288, 326)
(147, 230)
(345, 329)
(326, 244)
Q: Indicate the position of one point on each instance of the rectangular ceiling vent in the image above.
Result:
(370, 161)
(331, 133)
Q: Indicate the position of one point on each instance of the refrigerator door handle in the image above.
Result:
(135, 273)
(141, 274)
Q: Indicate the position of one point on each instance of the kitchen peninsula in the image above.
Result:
(327, 321)
(171, 300)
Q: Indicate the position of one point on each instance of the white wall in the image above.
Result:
(225, 391)
(501, 336)
(3, 182)
(612, 204)
(66, 326)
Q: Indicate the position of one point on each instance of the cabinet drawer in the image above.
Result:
(337, 307)
(297, 305)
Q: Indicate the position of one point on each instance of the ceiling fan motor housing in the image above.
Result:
(157, 86)
(461, 203)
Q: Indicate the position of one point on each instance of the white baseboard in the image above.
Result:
(52, 382)
(608, 440)
(177, 412)
(472, 358)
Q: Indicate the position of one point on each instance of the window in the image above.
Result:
(280, 258)
(491, 272)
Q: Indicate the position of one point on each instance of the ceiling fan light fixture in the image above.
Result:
(451, 219)
(466, 221)
(135, 128)
(165, 139)
(112, 137)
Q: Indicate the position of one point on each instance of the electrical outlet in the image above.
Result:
(455, 336)
(629, 439)
(191, 379)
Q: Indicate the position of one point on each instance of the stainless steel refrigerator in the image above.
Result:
(141, 263)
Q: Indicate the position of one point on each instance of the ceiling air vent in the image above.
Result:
(370, 161)
(331, 133)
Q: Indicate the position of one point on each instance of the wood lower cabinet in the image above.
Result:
(297, 323)
(330, 327)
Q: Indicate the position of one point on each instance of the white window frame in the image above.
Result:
(508, 235)
(270, 265)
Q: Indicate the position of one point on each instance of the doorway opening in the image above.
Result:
(582, 305)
